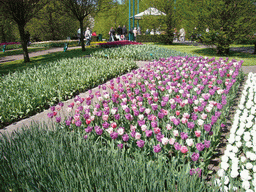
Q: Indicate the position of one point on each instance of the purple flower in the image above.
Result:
(125, 137)
(98, 113)
(85, 137)
(214, 119)
(136, 113)
(52, 108)
(105, 125)
(154, 107)
(217, 113)
(159, 137)
(88, 129)
(99, 131)
(173, 106)
(192, 172)
(177, 146)
(200, 146)
(154, 124)
(58, 119)
(140, 143)
(128, 116)
(207, 127)
(86, 116)
(117, 116)
(142, 109)
(194, 116)
(160, 115)
(157, 148)
(68, 122)
(127, 110)
(61, 104)
(195, 156)
(191, 125)
(133, 133)
(148, 133)
(207, 143)
(114, 135)
(120, 146)
(50, 115)
(141, 122)
(78, 123)
(176, 121)
(210, 133)
(183, 135)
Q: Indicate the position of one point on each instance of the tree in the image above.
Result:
(80, 9)
(52, 23)
(228, 21)
(21, 11)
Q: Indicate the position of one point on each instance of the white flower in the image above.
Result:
(234, 173)
(248, 144)
(189, 142)
(245, 175)
(165, 141)
(247, 136)
(254, 169)
(221, 172)
(246, 185)
(224, 158)
(224, 165)
(238, 138)
(235, 149)
(249, 165)
(226, 180)
(243, 159)
(239, 144)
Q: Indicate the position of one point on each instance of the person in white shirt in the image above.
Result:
(182, 34)
(135, 31)
(88, 36)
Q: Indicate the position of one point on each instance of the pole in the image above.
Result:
(138, 5)
(129, 19)
(133, 22)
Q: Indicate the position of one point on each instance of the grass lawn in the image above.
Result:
(249, 59)
(13, 66)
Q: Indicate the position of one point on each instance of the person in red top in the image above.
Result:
(94, 34)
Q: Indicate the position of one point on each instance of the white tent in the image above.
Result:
(149, 11)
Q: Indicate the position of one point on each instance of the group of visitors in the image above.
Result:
(119, 34)
(87, 35)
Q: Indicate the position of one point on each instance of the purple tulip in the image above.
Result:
(207, 143)
(120, 146)
(157, 148)
(125, 137)
(195, 156)
(191, 125)
(114, 135)
(207, 127)
(78, 123)
(140, 143)
(200, 146)
(149, 133)
(183, 135)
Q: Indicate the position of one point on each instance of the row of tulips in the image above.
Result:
(139, 52)
(172, 108)
(117, 43)
(238, 166)
(34, 89)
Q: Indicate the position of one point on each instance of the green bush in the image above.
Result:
(36, 159)
(164, 39)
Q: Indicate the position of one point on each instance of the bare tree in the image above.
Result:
(80, 9)
(21, 11)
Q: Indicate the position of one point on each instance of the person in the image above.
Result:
(207, 30)
(175, 34)
(152, 32)
(182, 34)
(147, 32)
(124, 32)
(27, 38)
(79, 36)
(135, 31)
(119, 32)
(94, 34)
(87, 36)
(139, 31)
(111, 34)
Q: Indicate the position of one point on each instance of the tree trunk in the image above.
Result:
(254, 48)
(23, 42)
(82, 34)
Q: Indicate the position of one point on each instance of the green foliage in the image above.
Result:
(55, 44)
(163, 39)
(52, 23)
(27, 92)
(38, 159)
(138, 52)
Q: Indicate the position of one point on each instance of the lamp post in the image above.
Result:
(133, 19)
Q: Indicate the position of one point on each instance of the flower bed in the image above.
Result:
(139, 52)
(238, 166)
(172, 108)
(11, 45)
(32, 90)
(117, 43)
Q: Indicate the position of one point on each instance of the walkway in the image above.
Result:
(34, 54)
